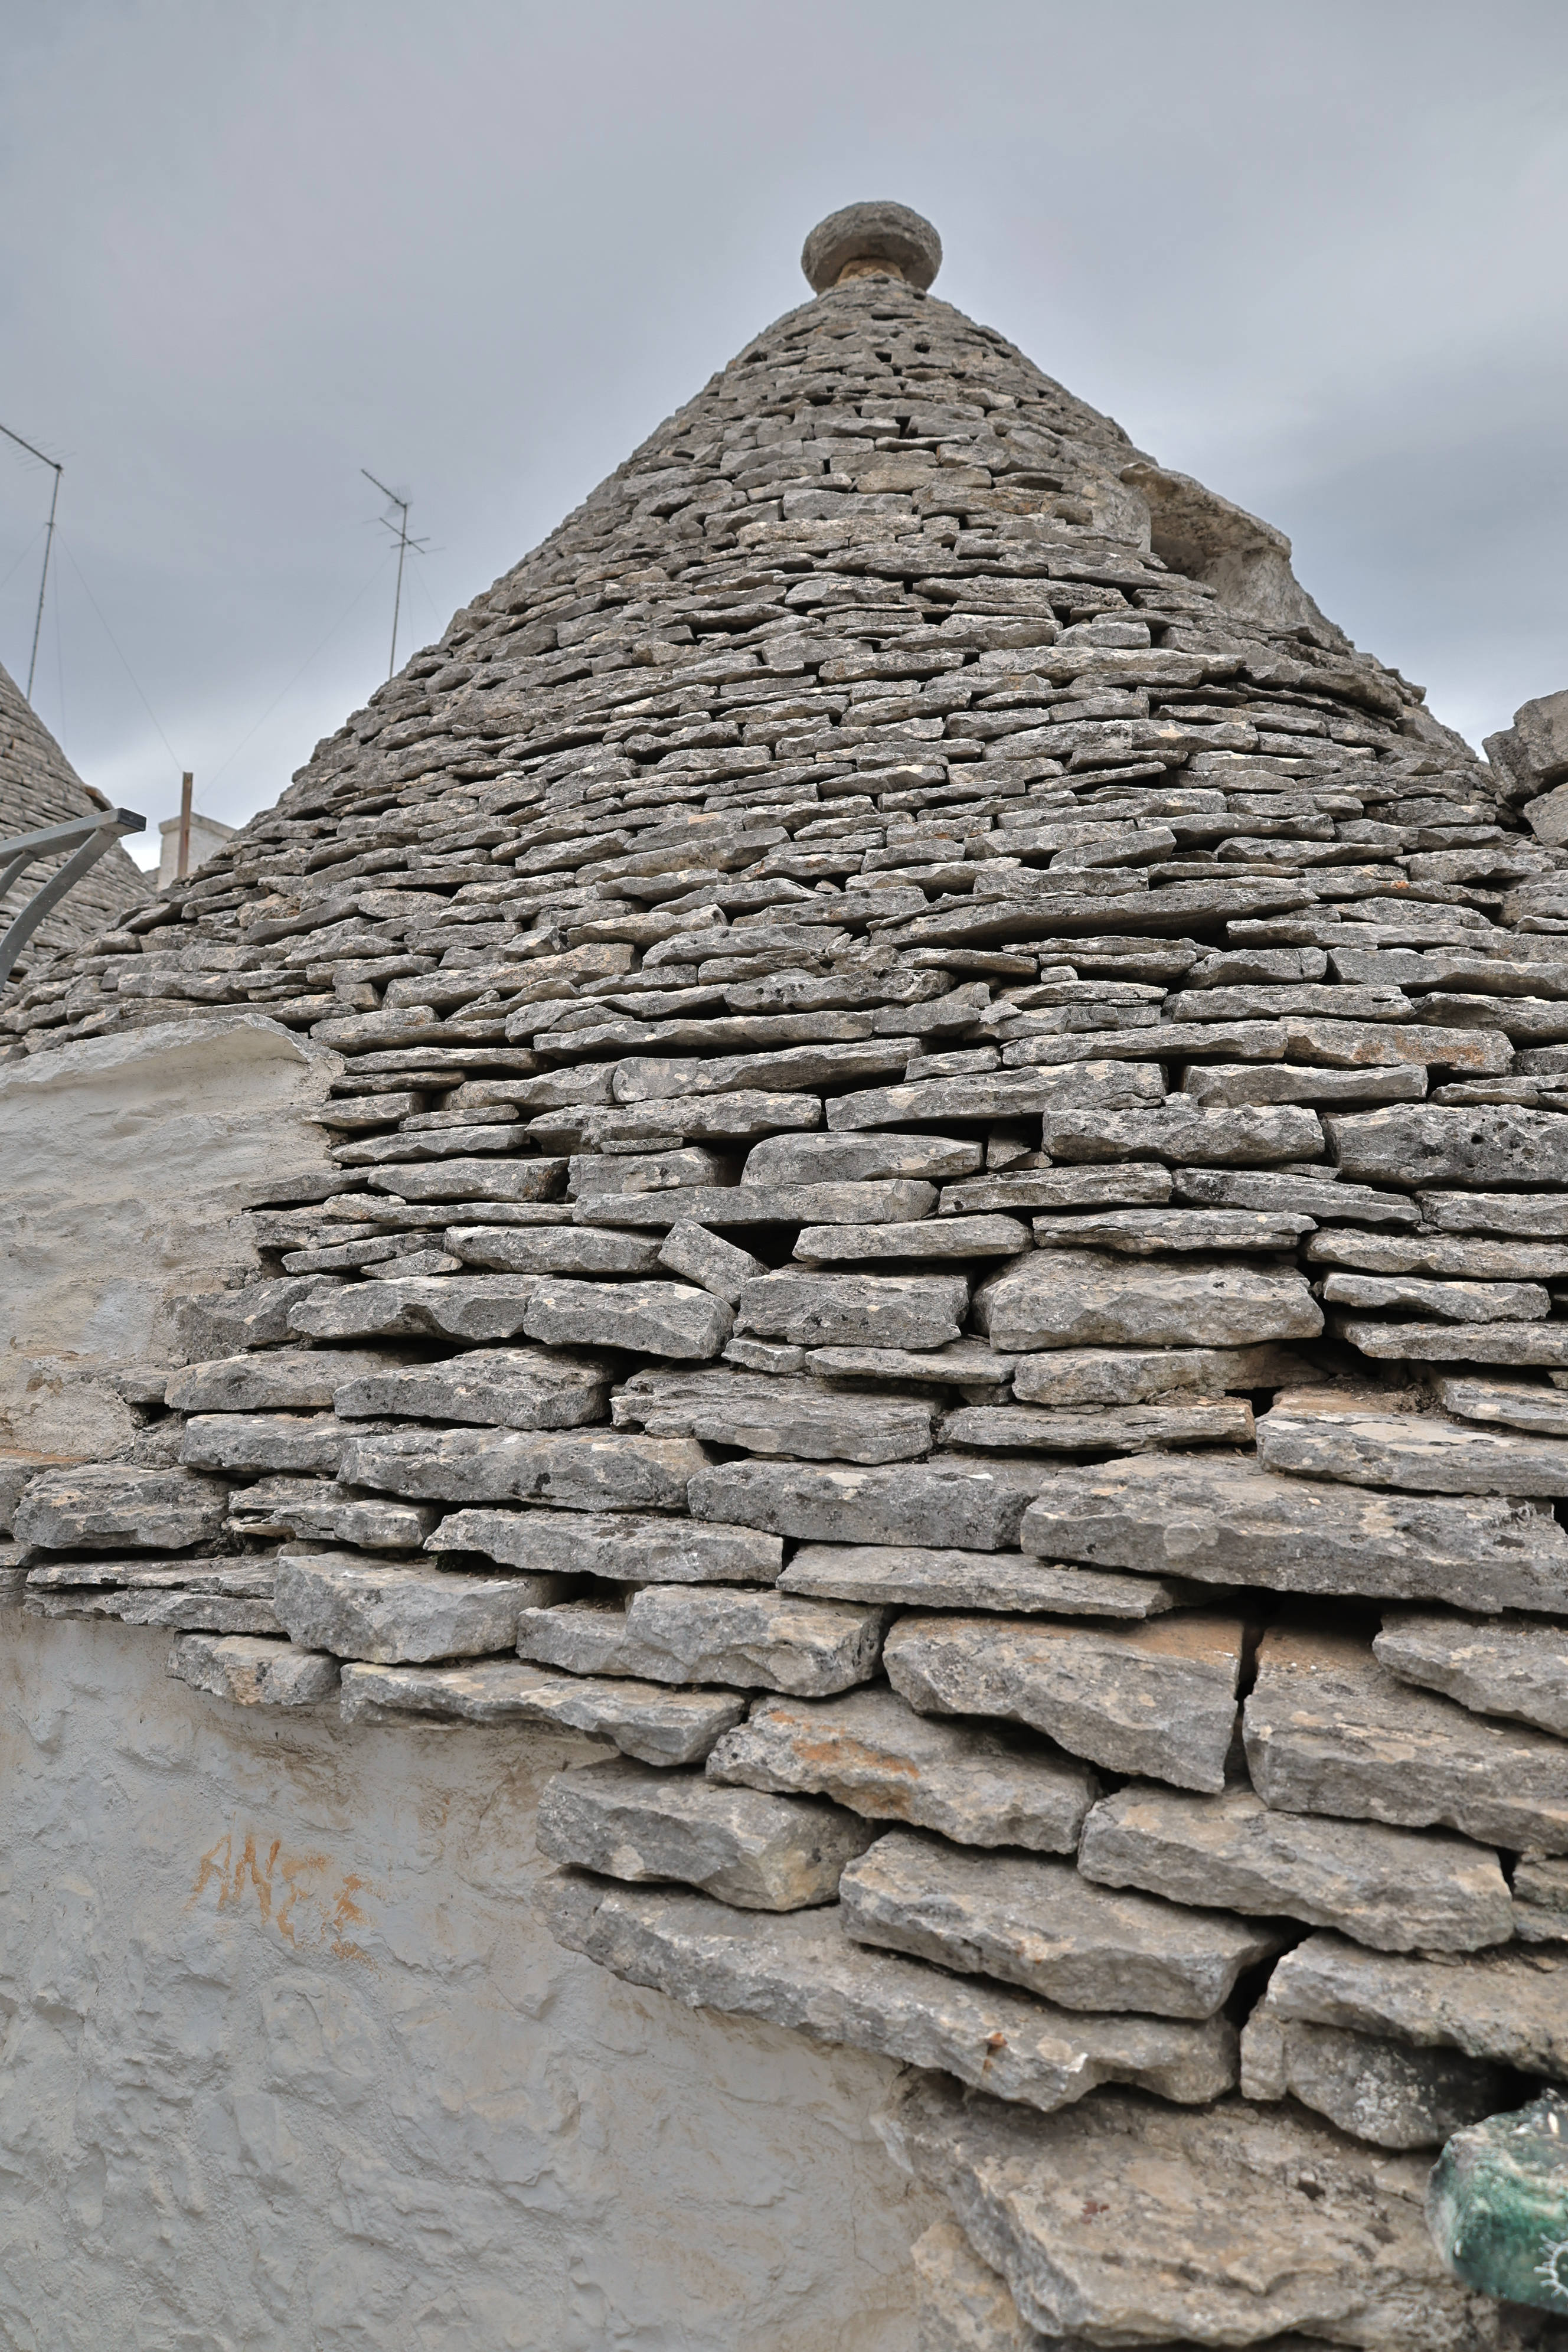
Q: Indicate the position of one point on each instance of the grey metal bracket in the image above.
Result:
(92, 835)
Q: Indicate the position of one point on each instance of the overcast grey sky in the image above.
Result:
(1311, 253)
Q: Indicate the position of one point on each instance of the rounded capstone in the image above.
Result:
(883, 234)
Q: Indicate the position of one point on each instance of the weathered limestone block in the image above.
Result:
(1080, 1376)
(765, 1413)
(1232, 1523)
(656, 1725)
(1146, 1233)
(1331, 1730)
(476, 1307)
(111, 1503)
(1413, 1145)
(760, 1853)
(510, 1388)
(253, 1673)
(1106, 1086)
(1323, 1434)
(870, 1752)
(1246, 2223)
(1510, 2008)
(1498, 2205)
(620, 1547)
(1157, 1699)
(1385, 2092)
(1080, 1298)
(1385, 1887)
(275, 1379)
(245, 1443)
(1504, 1404)
(961, 2305)
(552, 1249)
(1510, 1667)
(933, 1237)
(472, 1179)
(859, 1159)
(962, 1363)
(174, 1612)
(713, 1263)
(654, 1318)
(1117, 1429)
(802, 1970)
(1451, 1302)
(217, 1323)
(1039, 1924)
(1182, 1130)
(948, 1499)
(673, 1634)
(854, 1311)
(387, 1612)
(580, 1469)
(918, 1577)
(1541, 1899)
(1447, 1343)
(317, 1510)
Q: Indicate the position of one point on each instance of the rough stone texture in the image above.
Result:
(1541, 1899)
(1383, 1886)
(1053, 2203)
(1039, 1924)
(512, 1387)
(963, 2305)
(1232, 1523)
(758, 1641)
(1377, 2091)
(1316, 1433)
(803, 1971)
(657, 1725)
(657, 1319)
(39, 787)
(582, 1469)
(1157, 1699)
(322, 1949)
(1512, 1668)
(253, 1673)
(1072, 1298)
(948, 1500)
(872, 1752)
(623, 1548)
(760, 1853)
(1331, 1730)
(854, 1311)
(147, 1510)
(770, 1413)
(1508, 2007)
(360, 1606)
(917, 1577)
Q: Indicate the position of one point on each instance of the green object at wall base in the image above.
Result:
(1496, 2205)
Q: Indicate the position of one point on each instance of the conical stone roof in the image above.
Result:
(39, 787)
(953, 1193)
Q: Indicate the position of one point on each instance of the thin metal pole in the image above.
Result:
(403, 544)
(48, 544)
(182, 861)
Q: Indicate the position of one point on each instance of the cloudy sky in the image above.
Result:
(1313, 255)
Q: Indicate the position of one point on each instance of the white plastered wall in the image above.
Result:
(124, 1164)
(290, 2061)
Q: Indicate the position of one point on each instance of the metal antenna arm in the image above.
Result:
(93, 835)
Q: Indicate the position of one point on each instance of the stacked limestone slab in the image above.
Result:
(39, 787)
(950, 1232)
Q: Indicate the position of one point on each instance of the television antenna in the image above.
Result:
(48, 544)
(399, 531)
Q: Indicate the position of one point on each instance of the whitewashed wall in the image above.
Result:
(288, 2060)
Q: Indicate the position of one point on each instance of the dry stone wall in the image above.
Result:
(39, 787)
(949, 1233)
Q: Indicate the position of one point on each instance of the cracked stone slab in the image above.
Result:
(510, 1388)
(1083, 1376)
(112, 1503)
(472, 1179)
(669, 1634)
(391, 1612)
(1084, 1298)
(621, 1547)
(931, 1237)
(1385, 2092)
(1414, 1145)
(1180, 1129)
(1541, 1899)
(1450, 1302)
(1509, 1666)
(950, 1499)
(652, 1318)
(919, 1577)
(174, 1613)
(1251, 2224)
(963, 1363)
(1545, 1344)
(1389, 1888)
(961, 2305)
(1037, 1923)
(773, 1413)
(711, 1263)
(476, 1307)
(253, 1672)
(656, 1725)
(1145, 1232)
(854, 1311)
(859, 1159)
(317, 1510)
(217, 1323)
(1158, 1700)
(1326, 1434)
(1510, 2008)
(801, 1970)
(1232, 1522)
(552, 1249)
(1116, 1429)
(1329, 1729)
(249, 1441)
(579, 1469)
(274, 1380)
(870, 1752)
(759, 1852)
(1539, 1412)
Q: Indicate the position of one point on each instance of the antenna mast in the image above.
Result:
(49, 542)
(400, 533)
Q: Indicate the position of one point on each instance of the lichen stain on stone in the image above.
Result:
(325, 1918)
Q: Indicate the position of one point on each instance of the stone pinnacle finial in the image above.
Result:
(864, 239)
